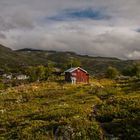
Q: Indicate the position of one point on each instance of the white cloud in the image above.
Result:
(134, 55)
(24, 23)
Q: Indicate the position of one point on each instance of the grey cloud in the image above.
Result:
(138, 30)
(2, 36)
(108, 41)
(16, 21)
(23, 23)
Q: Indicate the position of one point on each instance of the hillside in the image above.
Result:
(49, 110)
(95, 65)
(10, 58)
(7, 56)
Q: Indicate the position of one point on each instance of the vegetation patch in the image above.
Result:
(101, 110)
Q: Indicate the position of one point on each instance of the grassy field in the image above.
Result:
(103, 109)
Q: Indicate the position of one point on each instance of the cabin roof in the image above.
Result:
(73, 69)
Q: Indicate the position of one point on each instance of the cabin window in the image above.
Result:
(73, 74)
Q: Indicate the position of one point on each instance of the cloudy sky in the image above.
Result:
(109, 28)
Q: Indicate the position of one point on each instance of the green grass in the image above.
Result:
(45, 110)
(50, 110)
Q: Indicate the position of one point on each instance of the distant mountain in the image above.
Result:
(27, 56)
(28, 49)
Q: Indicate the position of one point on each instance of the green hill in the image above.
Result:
(7, 56)
(95, 65)
(10, 58)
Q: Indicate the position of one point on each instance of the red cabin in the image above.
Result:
(76, 75)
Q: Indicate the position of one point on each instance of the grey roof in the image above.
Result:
(72, 69)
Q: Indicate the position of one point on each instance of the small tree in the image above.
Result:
(112, 72)
(133, 70)
(74, 63)
(31, 72)
(137, 69)
(40, 72)
(129, 71)
(49, 70)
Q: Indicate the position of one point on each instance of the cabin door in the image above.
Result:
(73, 80)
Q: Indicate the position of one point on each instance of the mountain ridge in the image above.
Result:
(31, 57)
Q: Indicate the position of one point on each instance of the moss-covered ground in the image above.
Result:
(103, 109)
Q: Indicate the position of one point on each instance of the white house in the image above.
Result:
(7, 76)
(22, 77)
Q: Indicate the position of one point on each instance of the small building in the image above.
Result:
(22, 77)
(57, 72)
(76, 75)
(7, 76)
